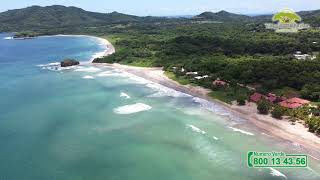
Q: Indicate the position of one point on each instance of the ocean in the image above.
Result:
(95, 122)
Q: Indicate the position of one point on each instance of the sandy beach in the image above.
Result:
(280, 129)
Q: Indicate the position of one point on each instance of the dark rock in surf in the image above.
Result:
(69, 62)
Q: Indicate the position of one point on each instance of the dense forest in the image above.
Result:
(232, 52)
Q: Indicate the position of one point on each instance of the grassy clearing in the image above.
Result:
(229, 94)
(141, 63)
(180, 80)
(222, 96)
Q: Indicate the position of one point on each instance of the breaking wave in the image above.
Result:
(275, 172)
(88, 77)
(49, 64)
(241, 131)
(130, 109)
(124, 95)
(218, 109)
(110, 73)
(165, 91)
(196, 129)
(215, 138)
(87, 69)
(8, 38)
(55, 66)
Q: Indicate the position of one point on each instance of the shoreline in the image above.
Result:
(109, 48)
(281, 129)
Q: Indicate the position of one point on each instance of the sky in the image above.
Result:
(171, 7)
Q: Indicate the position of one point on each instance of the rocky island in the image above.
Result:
(69, 62)
(24, 35)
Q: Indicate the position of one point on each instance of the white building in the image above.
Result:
(300, 56)
(192, 73)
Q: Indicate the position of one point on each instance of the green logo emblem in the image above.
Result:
(286, 21)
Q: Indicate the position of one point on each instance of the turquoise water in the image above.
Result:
(76, 123)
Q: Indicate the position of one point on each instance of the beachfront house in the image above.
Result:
(298, 55)
(219, 82)
(201, 77)
(192, 73)
(294, 103)
(198, 77)
(272, 98)
(282, 101)
(302, 56)
(256, 97)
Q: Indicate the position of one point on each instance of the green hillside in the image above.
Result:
(36, 17)
(223, 16)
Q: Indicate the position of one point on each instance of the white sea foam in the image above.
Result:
(102, 42)
(8, 38)
(58, 68)
(130, 109)
(124, 95)
(266, 134)
(196, 129)
(87, 69)
(108, 49)
(215, 138)
(314, 157)
(241, 131)
(110, 73)
(138, 79)
(297, 146)
(105, 74)
(98, 55)
(165, 91)
(161, 90)
(275, 172)
(218, 109)
(55, 66)
(49, 64)
(88, 77)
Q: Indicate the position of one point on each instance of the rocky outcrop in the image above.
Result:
(69, 62)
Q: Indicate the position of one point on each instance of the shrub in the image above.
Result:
(314, 125)
(277, 112)
(241, 100)
(263, 107)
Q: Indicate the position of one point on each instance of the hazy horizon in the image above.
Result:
(172, 8)
(174, 15)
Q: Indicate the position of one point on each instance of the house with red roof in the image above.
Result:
(294, 103)
(219, 82)
(272, 97)
(256, 97)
